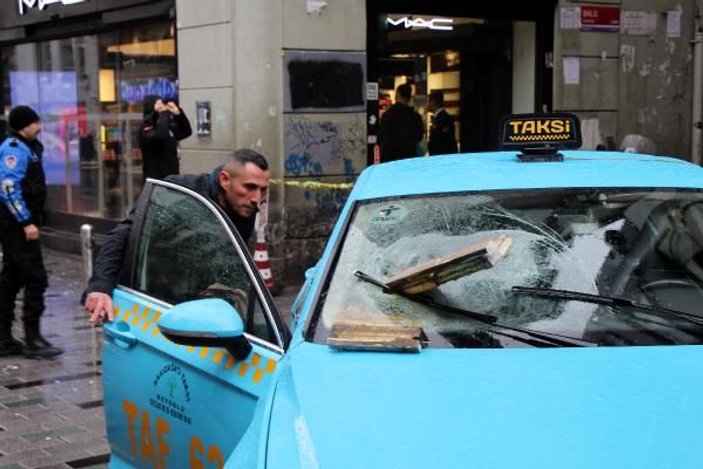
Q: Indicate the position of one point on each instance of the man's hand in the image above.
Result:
(172, 108)
(31, 232)
(99, 305)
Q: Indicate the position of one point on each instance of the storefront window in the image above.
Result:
(89, 91)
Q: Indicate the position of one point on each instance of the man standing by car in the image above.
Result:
(23, 192)
(164, 125)
(238, 187)
(401, 129)
(442, 140)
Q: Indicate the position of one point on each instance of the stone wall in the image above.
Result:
(634, 80)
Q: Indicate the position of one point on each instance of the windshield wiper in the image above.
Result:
(543, 338)
(425, 300)
(606, 300)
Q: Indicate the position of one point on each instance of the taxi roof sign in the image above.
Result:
(533, 131)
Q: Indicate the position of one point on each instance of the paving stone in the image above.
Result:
(25, 403)
(100, 448)
(49, 434)
(25, 456)
(48, 459)
(16, 445)
(25, 426)
(83, 417)
(79, 438)
(11, 466)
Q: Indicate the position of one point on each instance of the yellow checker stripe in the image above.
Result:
(541, 137)
(258, 365)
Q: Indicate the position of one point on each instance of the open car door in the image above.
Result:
(171, 405)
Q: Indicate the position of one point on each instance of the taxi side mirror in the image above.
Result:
(209, 322)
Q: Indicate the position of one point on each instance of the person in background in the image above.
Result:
(442, 140)
(239, 186)
(401, 129)
(164, 125)
(22, 192)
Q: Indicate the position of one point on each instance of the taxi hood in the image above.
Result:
(567, 407)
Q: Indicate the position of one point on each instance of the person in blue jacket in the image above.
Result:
(22, 193)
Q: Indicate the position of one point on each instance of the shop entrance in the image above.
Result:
(470, 65)
(486, 62)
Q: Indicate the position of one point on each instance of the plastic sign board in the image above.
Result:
(410, 22)
(600, 19)
(558, 130)
(24, 5)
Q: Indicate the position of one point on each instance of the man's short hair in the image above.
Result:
(437, 97)
(246, 155)
(405, 91)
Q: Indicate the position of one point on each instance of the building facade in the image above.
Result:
(305, 82)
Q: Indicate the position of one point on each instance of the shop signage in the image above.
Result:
(600, 19)
(24, 5)
(436, 24)
(134, 92)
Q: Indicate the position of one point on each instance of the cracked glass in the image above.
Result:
(641, 245)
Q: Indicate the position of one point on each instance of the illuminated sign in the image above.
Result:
(24, 5)
(133, 92)
(530, 130)
(436, 24)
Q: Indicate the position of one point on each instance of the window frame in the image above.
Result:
(130, 270)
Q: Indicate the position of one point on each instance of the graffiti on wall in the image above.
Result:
(324, 146)
(317, 147)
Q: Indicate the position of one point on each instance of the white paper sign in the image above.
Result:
(570, 18)
(673, 23)
(572, 70)
(627, 57)
(371, 91)
(316, 6)
(638, 23)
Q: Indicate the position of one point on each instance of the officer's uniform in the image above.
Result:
(23, 191)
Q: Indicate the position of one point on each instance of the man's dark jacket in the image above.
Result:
(442, 140)
(158, 141)
(108, 266)
(400, 131)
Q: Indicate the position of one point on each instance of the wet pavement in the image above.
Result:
(51, 411)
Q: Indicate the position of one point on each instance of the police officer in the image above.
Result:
(22, 193)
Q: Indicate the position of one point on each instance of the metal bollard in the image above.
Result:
(87, 252)
(87, 245)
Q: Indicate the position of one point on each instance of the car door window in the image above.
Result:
(186, 253)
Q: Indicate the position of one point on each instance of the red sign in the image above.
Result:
(600, 19)
(376, 154)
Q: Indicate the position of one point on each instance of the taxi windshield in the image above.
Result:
(641, 246)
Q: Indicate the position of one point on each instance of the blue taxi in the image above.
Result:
(533, 307)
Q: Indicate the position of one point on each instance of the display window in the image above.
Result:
(88, 91)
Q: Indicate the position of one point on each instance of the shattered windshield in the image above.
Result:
(644, 246)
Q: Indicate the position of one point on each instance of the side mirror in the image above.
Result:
(210, 322)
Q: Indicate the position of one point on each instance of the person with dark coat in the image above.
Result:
(239, 186)
(22, 193)
(401, 129)
(442, 140)
(164, 125)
